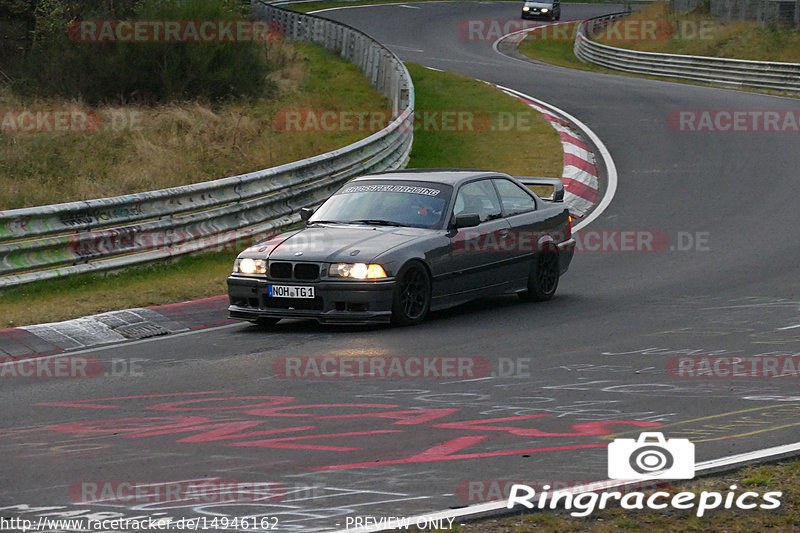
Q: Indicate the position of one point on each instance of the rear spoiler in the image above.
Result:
(546, 188)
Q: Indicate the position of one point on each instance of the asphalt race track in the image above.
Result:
(553, 382)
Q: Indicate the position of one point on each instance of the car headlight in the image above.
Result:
(544, 10)
(356, 271)
(249, 265)
(526, 8)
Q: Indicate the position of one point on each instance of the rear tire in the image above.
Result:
(412, 295)
(543, 277)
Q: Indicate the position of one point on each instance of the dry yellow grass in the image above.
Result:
(146, 148)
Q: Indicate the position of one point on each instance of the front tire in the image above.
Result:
(412, 295)
(543, 277)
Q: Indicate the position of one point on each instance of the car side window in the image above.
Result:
(514, 198)
(478, 197)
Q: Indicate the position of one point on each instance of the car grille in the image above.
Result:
(301, 271)
(306, 271)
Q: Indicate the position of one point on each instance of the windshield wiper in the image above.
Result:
(377, 222)
(326, 222)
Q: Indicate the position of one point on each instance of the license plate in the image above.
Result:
(290, 291)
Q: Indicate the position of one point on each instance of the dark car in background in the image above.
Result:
(392, 247)
(546, 10)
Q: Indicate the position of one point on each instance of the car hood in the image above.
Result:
(334, 243)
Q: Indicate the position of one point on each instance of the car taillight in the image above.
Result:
(569, 217)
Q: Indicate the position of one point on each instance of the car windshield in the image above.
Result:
(386, 203)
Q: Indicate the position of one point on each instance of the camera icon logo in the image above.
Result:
(651, 456)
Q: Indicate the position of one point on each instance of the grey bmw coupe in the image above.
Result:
(392, 247)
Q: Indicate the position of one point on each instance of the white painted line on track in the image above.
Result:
(611, 169)
(496, 44)
(596, 486)
(354, 7)
(403, 48)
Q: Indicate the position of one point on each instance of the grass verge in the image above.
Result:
(499, 132)
(555, 44)
(188, 278)
(699, 34)
(783, 476)
(147, 148)
(515, 124)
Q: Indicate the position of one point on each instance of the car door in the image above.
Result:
(476, 263)
(526, 225)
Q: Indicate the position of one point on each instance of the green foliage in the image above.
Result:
(702, 8)
(63, 62)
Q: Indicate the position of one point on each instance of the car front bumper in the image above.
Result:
(536, 15)
(334, 302)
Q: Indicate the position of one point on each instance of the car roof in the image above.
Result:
(447, 176)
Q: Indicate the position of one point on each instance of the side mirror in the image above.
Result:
(467, 220)
(305, 213)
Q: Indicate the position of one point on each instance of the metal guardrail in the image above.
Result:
(58, 240)
(727, 72)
